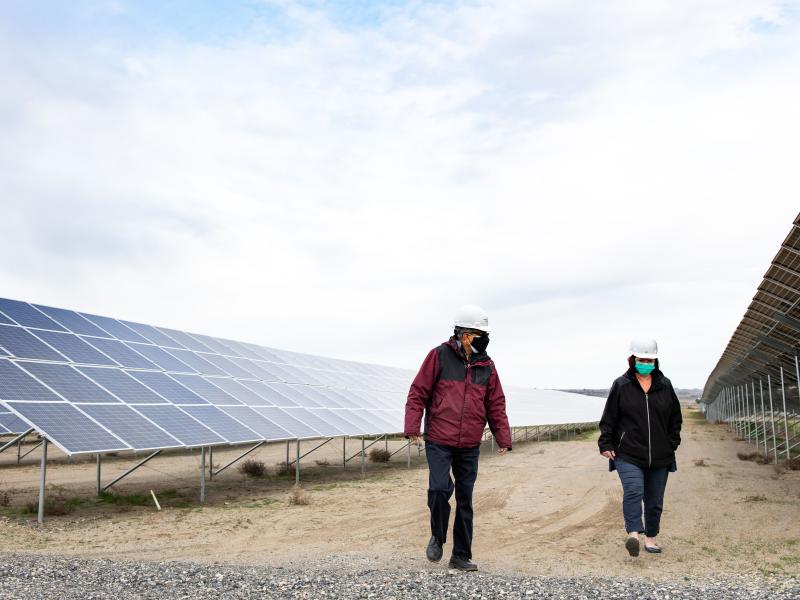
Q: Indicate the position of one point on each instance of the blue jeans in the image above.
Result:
(464, 463)
(642, 486)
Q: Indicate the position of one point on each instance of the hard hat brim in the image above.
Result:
(645, 355)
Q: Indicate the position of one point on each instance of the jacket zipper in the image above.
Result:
(619, 445)
(464, 402)
(649, 447)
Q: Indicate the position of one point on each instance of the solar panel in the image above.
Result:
(214, 344)
(135, 430)
(122, 385)
(188, 430)
(259, 423)
(25, 314)
(225, 425)
(72, 321)
(228, 367)
(184, 339)
(11, 423)
(161, 357)
(121, 353)
(22, 344)
(298, 429)
(67, 427)
(204, 389)
(271, 393)
(241, 349)
(197, 362)
(16, 384)
(263, 370)
(339, 419)
(74, 348)
(315, 421)
(4, 320)
(152, 335)
(115, 328)
(238, 391)
(67, 382)
(167, 387)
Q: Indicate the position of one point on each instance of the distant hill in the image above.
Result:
(682, 393)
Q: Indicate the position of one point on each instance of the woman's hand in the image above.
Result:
(609, 454)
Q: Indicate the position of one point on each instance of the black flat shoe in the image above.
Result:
(632, 546)
(462, 564)
(652, 549)
(434, 550)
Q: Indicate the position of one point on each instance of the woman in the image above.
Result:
(639, 433)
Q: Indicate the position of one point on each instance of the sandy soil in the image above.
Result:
(547, 508)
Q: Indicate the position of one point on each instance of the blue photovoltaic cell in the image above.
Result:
(227, 366)
(180, 425)
(264, 353)
(262, 395)
(122, 385)
(12, 423)
(382, 421)
(215, 345)
(130, 426)
(74, 348)
(203, 388)
(238, 391)
(284, 375)
(115, 328)
(316, 396)
(185, 339)
(319, 424)
(263, 370)
(269, 394)
(24, 314)
(195, 361)
(152, 334)
(306, 375)
(121, 353)
(283, 419)
(3, 352)
(367, 425)
(162, 358)
(18, 342)
(336, 399)
(362, 399)
(168, 388)
(67, 382)
(5, 320)
(291, 392)
(223, 424)
(240, 348)
(249, 366)
(73, 321)
(338, 418)
(16, 384)
(65, 425)
(259, 423)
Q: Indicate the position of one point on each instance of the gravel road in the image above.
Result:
(47, 577)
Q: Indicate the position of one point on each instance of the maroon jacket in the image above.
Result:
(458, 398)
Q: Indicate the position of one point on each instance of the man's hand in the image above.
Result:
(609, 454)
(502, 451)
(417, 440)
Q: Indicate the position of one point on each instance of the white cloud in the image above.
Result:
(588, 173)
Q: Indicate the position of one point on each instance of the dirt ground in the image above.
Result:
(549, 508)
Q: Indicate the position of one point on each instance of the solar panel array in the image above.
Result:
(93, 384)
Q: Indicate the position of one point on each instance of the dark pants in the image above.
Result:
(464, 463)
(642, 486)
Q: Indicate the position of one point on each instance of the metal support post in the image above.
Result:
(287, 454)
(363, 458)
(203, 474)
(344, 452)
(297, 465)
(99, 491)
(315, 448)
(755, 410)
(785, 420)
(772, 419)
(42, 481)
(211, 462)
(493, 443)
(763, 416)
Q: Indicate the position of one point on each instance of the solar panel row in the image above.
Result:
(95, 384)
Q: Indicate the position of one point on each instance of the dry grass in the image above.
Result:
(379, 455)
(253, 468)
(323, 463)
(286, 469)
(298, 496)
(747, 455)
(5, 499)
(700, 462)
(756, 498)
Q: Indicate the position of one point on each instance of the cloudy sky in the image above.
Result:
(338, 177)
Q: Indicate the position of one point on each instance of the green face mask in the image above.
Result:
(644, 368)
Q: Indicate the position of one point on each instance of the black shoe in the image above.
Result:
(434, 550)
(462, 564)
(632, 546)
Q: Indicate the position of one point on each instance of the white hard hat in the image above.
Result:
(644, 348)
(470, 316)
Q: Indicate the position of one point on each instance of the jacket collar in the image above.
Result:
(657, 375)
(483, 357)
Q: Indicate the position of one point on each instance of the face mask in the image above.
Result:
(479, 344)
(645, 368)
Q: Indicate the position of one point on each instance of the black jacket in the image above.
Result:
(644, 429)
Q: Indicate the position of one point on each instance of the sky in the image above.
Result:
(339, 177)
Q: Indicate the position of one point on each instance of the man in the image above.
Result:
(458, 390)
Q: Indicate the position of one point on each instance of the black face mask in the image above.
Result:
(479, 344)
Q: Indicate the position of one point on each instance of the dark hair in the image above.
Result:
(632, 361)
